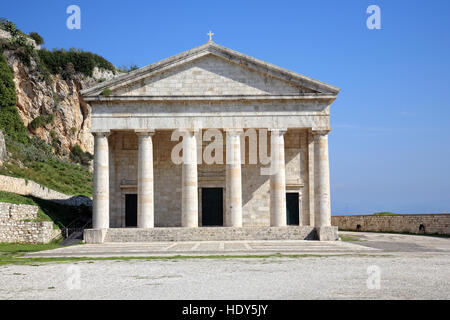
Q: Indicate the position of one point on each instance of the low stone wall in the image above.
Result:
(13, 228)
(31, 188)
(410, 223)
(17, 212)
(26, 231)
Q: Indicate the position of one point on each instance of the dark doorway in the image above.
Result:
(131, 210)
(292, 213)
(212, 207)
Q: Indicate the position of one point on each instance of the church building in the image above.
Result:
(211, 144)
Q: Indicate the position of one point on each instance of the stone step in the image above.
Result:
(210, 234)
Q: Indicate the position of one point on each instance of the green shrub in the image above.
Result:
(37, 38)
(79, 156)
(10, 122)
(82, 61)
(106, 92)
(384, 213)
(68, 72)
(41, 121)
(45, 168)
(129, 68)
(56, 143)
(35, 150)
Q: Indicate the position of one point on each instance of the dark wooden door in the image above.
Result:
(292, 212)
(212, 207)
(131, 210)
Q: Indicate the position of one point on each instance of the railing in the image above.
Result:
(69, 231)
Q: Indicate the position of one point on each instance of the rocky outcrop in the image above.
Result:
(58, 97)
(6, 35)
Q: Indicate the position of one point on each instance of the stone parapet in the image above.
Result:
(409, 223)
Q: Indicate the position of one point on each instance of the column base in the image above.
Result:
(94, 235)
(327, 233)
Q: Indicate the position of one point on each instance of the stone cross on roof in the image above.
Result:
(210, 34)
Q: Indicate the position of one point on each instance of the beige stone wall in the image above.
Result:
(433, 223)
(16, 212)
(15, 228)
(167, 178)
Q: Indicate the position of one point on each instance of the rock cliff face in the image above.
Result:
(58, 97)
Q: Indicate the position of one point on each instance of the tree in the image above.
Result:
(10, 122)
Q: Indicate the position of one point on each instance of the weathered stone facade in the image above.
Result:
(15, 227)
(252, 105)
(410, 223)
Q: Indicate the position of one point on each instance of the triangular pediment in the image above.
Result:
(211, 70)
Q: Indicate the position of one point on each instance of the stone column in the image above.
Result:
(277, 179)
(189, 202)
(322, 179)
(311, 183)
(233, 215)
(145, 215)
(100, 203)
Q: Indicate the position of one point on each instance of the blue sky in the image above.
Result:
(390, 144)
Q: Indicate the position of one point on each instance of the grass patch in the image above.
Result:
(349, 238)
(47, 169)
(61, 215)
(17, 249)
(17, 260)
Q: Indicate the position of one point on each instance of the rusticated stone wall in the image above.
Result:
(410, 223)
(14, 226)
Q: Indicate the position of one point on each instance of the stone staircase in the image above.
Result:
(210, 234)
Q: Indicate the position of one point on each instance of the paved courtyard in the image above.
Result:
(379, 266)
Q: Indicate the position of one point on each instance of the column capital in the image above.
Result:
(279, 131)
(145, 132)
(321, 132)
(101, 133)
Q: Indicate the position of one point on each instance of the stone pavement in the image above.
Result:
(204, 248)
(369, 243)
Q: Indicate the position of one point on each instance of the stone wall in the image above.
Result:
(410, 223)
(17, 212)
(14, 228)
(31, 188)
